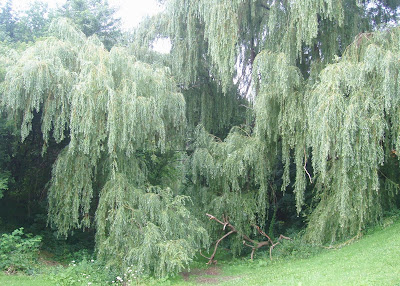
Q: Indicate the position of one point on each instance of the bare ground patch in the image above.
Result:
(211, 275)
(47, 258)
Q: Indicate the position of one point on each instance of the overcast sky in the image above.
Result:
(130, 11)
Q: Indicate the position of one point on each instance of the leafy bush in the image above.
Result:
(294, 248)
(94, 272)
(85, 272)
(19, 251)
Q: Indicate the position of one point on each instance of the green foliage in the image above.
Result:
(24, 26)
(7, 141)
(94, 17)
(82, 272)
(325, 105)
(19, 252)
(354, 108)
(7, 21)
(4, 156)
(8, 57)
(297, 248)
(204, 107)
(91, 16)
(3, 185)
(150, 229)
(280, 87)
(113, 111)
(231, 178)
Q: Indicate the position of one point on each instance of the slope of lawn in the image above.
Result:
(372, 260)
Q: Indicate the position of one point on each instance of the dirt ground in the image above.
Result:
(211, 275)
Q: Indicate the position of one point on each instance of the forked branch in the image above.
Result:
(247, 241)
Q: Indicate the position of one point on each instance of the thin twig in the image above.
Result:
(270, 250)
(305, 164)
(284, 237)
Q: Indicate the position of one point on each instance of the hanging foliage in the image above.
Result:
(235, 178)
(113, 110)
(152, 228)
(323, 105)
(204, 107)
(353, 114)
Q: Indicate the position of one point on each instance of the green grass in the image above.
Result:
(23, 280)
(372, 260)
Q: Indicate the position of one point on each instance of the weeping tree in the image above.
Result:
(323, 81)
(120, 117)
(279, 97)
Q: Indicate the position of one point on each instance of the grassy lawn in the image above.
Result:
(372, 260)
(22, 280)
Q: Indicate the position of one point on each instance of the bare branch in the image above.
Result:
(305, 164)
(263, 233)
(214, 218)
(211, 260)
(244, 243)
(255, 244)
(284, 237)
(252, 253)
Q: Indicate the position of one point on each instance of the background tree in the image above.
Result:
(24, 26)
(7, 21)
(94, 17)
(35, 21)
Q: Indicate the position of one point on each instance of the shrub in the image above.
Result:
(94, 272)
(85, 272)
(296, 247)
(19, 251)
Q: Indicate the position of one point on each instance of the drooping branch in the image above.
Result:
(254, 245)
